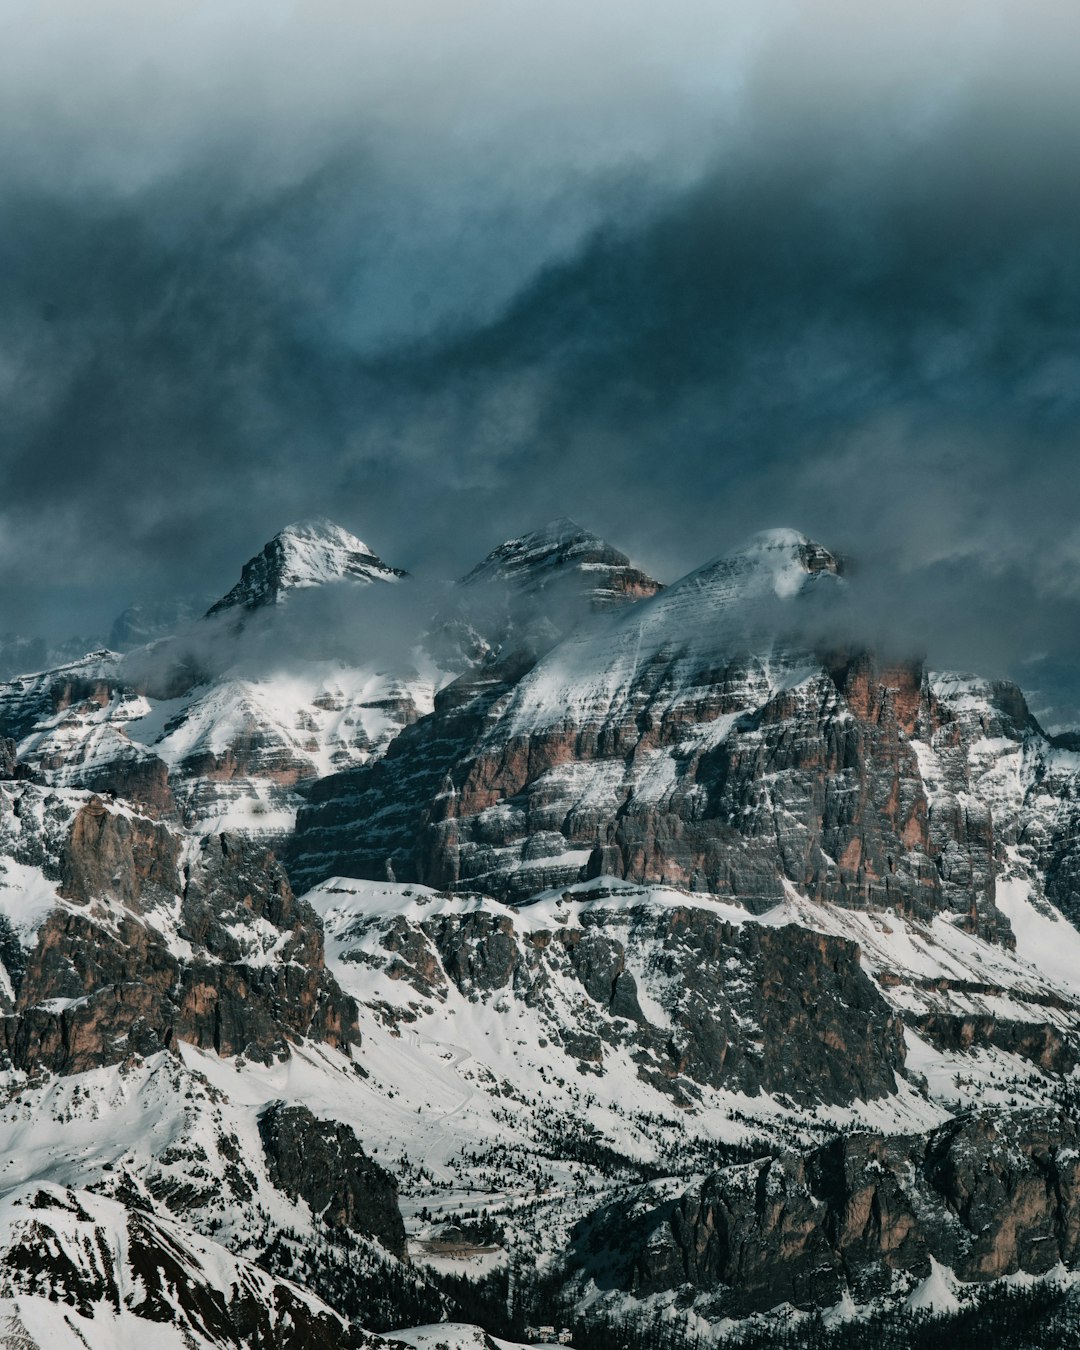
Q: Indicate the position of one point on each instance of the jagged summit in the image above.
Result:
(307, 553)
(559, 553)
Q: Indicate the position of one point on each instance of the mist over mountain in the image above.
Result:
(799, 264)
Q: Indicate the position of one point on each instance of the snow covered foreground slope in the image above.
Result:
(473, 1094)
(82, 1271)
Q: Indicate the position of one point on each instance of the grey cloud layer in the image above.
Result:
(450, 275)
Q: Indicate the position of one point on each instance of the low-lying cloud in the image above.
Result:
(443, 272)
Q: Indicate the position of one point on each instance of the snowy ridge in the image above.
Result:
(553, 545)
(84, 1270)
(528, 593)
(509, 1039)
(234, 750)
(325, 715)
(703, 619)
(920, 969)
(45, 695)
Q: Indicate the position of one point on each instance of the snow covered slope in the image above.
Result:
(643, 745)
(238, 750)
(81, 1270)
(228, 754)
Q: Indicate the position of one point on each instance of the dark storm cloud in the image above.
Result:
(208, 212)
(884, 353)
(682, 281)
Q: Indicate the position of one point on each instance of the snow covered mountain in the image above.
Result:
(612, 718)
(564, 563)
(308, 553)
(205, 724)
(225, 729)
(669, 970)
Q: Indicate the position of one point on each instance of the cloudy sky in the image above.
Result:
(444, 269)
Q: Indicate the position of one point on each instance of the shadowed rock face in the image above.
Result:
(126, 858)
(986, 1195)
(216, 951)
(530, 592)
(321, 1162)
(1044, 1044)
(7, 757)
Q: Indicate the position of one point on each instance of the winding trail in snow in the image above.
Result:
(458, 1057)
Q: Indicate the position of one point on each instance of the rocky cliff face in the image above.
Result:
(321, 1162)
(663, 747)
(694, 1000)
(138, 945)
(985, 1195)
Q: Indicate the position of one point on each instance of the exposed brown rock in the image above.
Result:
(817, 785)
(987, 1195)
(220, 954)
(119, 855)
(1040, 1042)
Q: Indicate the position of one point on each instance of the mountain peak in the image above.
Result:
(320, 527)
(777, 562)
(310, 552)
(560, 530)
(555, 554)
(794, 543)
